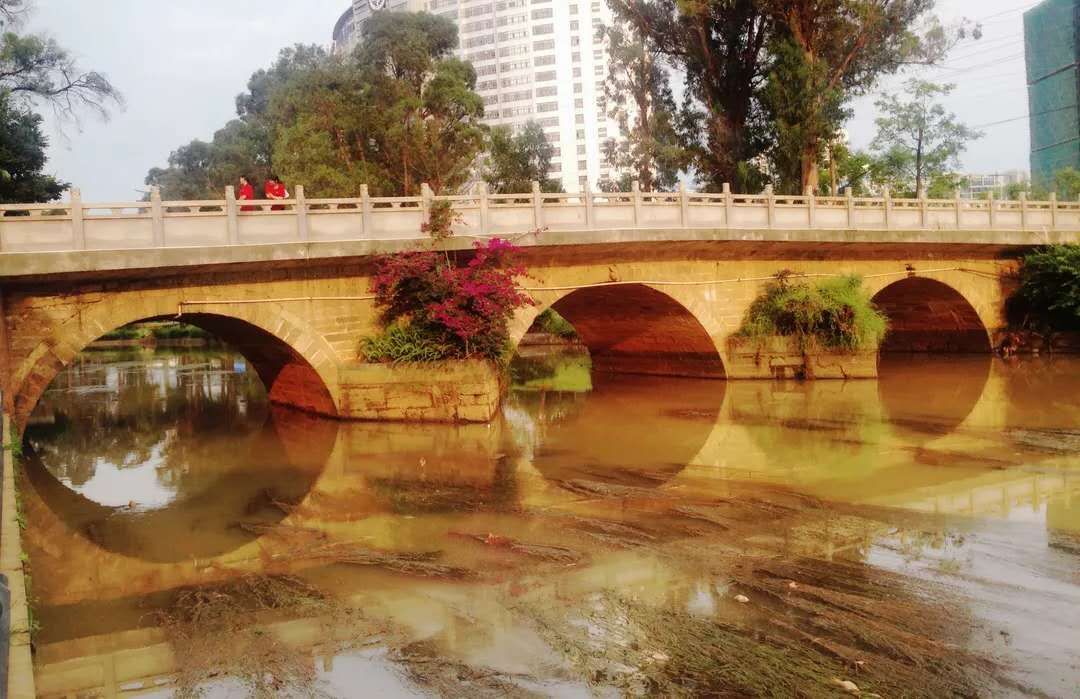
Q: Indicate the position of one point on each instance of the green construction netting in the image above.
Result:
(1050, 38)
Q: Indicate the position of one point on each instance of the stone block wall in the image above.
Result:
(781, 358)
(449, 391)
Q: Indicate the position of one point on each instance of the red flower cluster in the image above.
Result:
(467, 306)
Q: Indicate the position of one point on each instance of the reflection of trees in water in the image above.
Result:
(1042, 392)
(121, 412)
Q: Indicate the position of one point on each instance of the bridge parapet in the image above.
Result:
(75, 225)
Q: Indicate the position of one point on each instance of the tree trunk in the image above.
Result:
(809, 167)
(918, 163)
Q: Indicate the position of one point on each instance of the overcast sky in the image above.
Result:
(180, 65)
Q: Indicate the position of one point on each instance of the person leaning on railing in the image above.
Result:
(275, 189)
(246, 191)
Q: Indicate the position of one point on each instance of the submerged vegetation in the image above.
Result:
(1048, 299)
(834, 313)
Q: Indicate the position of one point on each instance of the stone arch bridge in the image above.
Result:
(654, 283)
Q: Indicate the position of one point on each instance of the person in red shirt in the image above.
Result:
(275, 189)
(246, 191)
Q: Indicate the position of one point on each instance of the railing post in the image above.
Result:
(426, 195)
(729, 204)
(811, 206)
(770, 201)
(301, 213)
(684, 206)
(850, 195)
(232, 223)
(590, 211)
(635, 191)
(157, 217)
(1053, 211)
(78, 230)
(1023, 211)
(485, 220)
(365, 211)
(538, 206)
(886, 196)
(990, 204)
(958, 202)
(924, 215)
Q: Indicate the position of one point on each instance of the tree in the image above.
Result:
(244, 146)
(188, 174)
(805, 112)
(514, 161)
(1067, 183)
(720, 46)
(401, 112)
(832, 50)
(638, 90)
(22, 154)
(36, 71)
(852, 170)
(921, 139)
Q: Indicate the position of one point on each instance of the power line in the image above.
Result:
(1025, 116)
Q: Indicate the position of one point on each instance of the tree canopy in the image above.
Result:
(515, 160)
(37, 73)
(768, 82)
(398, 112)
(918, 139)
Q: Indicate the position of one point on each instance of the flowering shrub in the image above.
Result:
(464, 308)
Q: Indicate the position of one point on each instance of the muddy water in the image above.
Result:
(917, 535)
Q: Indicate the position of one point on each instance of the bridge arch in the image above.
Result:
(296, 365)
(637, 329)
(928, 315)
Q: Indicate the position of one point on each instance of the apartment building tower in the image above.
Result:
(538, 60)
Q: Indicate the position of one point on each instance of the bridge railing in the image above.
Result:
(75, 225)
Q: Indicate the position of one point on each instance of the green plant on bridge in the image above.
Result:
(1049, 295)
(836, 314)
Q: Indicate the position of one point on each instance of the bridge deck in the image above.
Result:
(73, 236)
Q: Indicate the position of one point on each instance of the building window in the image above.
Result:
(543, 29)
(544, 60)
(547, 91)
(545, 13)
(543, 45)
(545, 76)
(547, 107)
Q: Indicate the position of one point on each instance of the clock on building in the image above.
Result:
(376, 4)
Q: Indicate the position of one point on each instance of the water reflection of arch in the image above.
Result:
(926, 396)
(638, 329)
(630, 430)
(265, 335)
(262, 465)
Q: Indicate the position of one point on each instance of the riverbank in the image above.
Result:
(20, 666)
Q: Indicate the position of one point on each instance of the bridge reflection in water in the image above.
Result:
(166, 471)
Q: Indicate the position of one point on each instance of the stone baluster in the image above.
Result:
(635, 191)
(590, 210)
(684, 206)
(366, 212)
(232, 222)
(770, 201)
(538, 206)
(811, 207)
(157, 217)
(78, 228)
(301, 214)
(729, 205)
(485, 218)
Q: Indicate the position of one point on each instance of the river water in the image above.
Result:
(918, 535)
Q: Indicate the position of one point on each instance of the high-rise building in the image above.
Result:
(1051, 31)
(535, 60)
